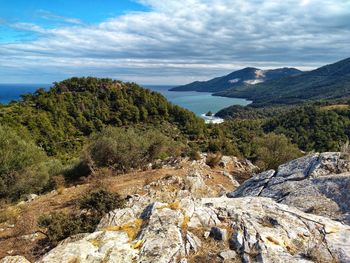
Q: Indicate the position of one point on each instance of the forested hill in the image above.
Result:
(328, 82)
(59, 120)
(243, 77)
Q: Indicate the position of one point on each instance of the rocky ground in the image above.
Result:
(299, 213)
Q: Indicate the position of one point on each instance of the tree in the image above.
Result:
(272, 150)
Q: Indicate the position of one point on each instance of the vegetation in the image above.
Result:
(272, 150)
(252, 113)
(91, 124)
(124, 149)
(24, 167)
(93, 206)
(313, 128)
(321, 126)
(101, 201)
(328, 82)
(61, 119)
(236, 79)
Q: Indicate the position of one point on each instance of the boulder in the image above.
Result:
(317, 183)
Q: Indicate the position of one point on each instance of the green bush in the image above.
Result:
(24, 167)
(58, 226)
(272, 150)
(124, 149)
(101, 201)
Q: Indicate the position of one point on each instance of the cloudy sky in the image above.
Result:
(166, 41)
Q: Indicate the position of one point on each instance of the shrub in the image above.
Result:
(101, 201)
(125, 149)
(59, 226)
(97, 203)
(24, 167)
(272, 150)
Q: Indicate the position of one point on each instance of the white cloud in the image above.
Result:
(51, 16)
(185, 39)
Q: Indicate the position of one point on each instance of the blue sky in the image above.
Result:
(51, 14)
(168, 41)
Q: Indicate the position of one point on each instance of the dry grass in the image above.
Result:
(66, 201)
(336, 107)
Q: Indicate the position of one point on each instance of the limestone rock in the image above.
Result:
(31, 197)
(228, 254)
(318, 183)
(161, 232)
(14, 259)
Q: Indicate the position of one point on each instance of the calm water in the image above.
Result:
(198, 102)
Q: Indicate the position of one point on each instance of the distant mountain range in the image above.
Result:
(243, 77)
(327, 82)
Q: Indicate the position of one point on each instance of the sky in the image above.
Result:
(166, 42)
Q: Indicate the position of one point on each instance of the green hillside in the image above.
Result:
(243, 77)
(60, 120)
(328, 82)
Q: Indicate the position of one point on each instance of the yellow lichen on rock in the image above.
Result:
(131, 228)
(138, 244)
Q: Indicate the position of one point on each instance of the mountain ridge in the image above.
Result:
(331, 81)
(242, 77)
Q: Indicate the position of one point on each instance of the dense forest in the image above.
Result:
(59, 120)
(319, 126)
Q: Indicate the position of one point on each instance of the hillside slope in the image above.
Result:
(61, 119)
(328, 82)
(196, 224)
(243, 77)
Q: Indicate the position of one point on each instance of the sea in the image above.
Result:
(198, 102)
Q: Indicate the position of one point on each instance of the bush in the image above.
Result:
(101, 201)
(59, 226)
(272, 150)
(96, 204)
(124, 149)
(24, 167)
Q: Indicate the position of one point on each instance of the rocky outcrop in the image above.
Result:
(256, 230)
(317, 183)
(184, 220)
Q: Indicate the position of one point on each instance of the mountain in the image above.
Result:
(243, 77)
(328, 82)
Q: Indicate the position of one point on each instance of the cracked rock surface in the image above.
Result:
(259, 230)
(318, 184)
